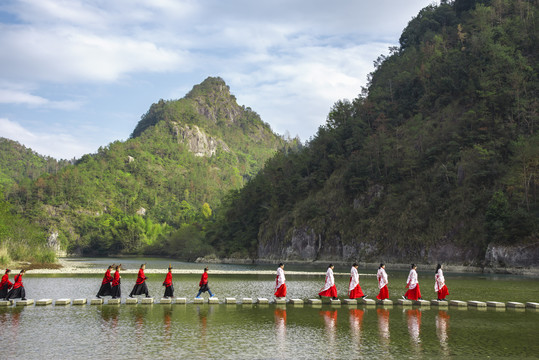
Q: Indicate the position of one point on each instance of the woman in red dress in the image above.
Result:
(169, 287)
(5, 284)
(116, 290)
(203, 284)
(140, 285)
(412, 284)
(381, 275)
(18, 289)
(105, 288)
(280, 286)
(439, 284)
(354, 290)
(329, 288)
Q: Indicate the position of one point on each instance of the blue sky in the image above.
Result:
(76, 75)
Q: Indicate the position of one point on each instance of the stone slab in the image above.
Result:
(422, 303)
(24, 302)
(80, 301)
(96, 302)
(62, 302)
(385, 302)
(368, 301)
(43, 302)
(335, 302)
(404, 302)
(230, 301)
(515, 305)
(5, 303)
(350, 302)
(247, 300)
(213, 300)
(114, 301)
(532, 305)
(458, 303)
(496, 304)
(296, 301)
(198, 301)
(131, 301)
(477, 304)
(280, 301)
(146, 300)
(165, 301)
(262, 301)
(439, 303)
(314, 301)
(180, 301)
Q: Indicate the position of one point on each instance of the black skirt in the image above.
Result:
(16, 293)
(204, 288)
(116, 292)
(105, 290)
(169, 291)
(3, 291)
(139, 289)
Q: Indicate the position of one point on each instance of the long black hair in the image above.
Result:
(330, 265)
(438, 267)
(414, 265)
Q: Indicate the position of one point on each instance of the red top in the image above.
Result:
(168, 279)
(18, 281)
(203, 279)
(5, 280)
(141, 277)
(107, 278)
(116, 279)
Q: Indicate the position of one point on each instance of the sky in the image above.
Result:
(76, 75)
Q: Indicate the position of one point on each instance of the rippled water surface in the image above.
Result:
(270, 331)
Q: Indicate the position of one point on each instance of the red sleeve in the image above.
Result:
(203, 279)
(116, 280)
(168, 280)
(141, 277)
(107, 278)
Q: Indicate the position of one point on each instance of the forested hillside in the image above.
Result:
(155, 192)
(436, 160)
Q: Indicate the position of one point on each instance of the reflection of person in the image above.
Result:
(5, 284)
(412, 284)
(203, 284)
(116, 291)
(381, 275)
(105, 288)
(280, 286)
(439, 283)
(329, 288)
(18, 289)
(169, 287)
(140, 285)
(354, 290)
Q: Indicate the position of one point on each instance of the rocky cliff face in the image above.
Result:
(198, 142)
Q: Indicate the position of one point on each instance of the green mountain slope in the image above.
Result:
(438, 160)
(143, 194)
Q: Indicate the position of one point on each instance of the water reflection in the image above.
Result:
(109, 315)
(167, 325)
(442, 325)
(330, 322)
(203, 313)
(413, 317)
(280, 331)
(383, 328)
(356, 322)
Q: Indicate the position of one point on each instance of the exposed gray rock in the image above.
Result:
(512, 255)
(197, 141)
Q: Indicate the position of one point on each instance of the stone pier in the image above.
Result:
(96, 302)
(404, 302)
(131, 301)
(213, 300)
(146, 301)
(458, 303)
(198, 301)
(43, 302)
(422, 303)
(369, 302)
(25, 302)
(62, 302)
(230, 301)
(515, 305)
(296, 302)
(180, 301)
(496, 304)
(314, 301)
(439, 303)
(385, 302)
(80, 301)
(532, 305)
(117, 301)
(246, 301)
(477, 304)
(280, 301)
(165, 301)
(350, 302)
(262, 301)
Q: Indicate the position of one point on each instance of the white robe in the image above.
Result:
(412, 279)
(354, 279)
(330, 280)
(382, 278)
(439, 280)
(280, 278)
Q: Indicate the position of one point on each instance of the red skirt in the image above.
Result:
(331, 292)
(281, 291)
(383, 294)
(443, 292)
(413, 294)
(356, 292)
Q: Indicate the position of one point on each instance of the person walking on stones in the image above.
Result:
(412, 285)
(105, 289)
(140, 285)
(169, 287)
(18, 289)
(280, 285)
(116, 291)
(329, 288)
(354, 290)
(381, 276)
(439, 284)
(5, 284)
(203, 284)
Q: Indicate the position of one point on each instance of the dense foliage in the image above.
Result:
(440, 148)
(155, 192)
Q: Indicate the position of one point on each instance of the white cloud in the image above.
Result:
(11, 96)
(52, 144)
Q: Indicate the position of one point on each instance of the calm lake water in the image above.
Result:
(270, 331)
